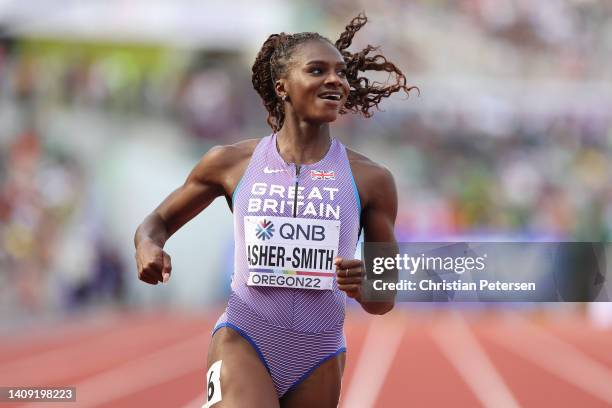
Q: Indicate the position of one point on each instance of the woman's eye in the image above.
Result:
(319, 71)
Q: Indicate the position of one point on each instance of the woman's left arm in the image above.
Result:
(377, 186)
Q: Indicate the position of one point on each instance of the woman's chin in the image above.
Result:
(322, 119)
(331, 118)
(328, 116)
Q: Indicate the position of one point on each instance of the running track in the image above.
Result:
(426, 359)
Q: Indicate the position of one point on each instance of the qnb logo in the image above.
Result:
(264, 230)
(302, 232)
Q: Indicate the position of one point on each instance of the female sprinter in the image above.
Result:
(299, 199)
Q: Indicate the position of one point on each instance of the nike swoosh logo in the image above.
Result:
(270, 171)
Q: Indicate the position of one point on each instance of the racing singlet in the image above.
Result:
(288, 227)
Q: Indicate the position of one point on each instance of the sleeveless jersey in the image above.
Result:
(314, 214)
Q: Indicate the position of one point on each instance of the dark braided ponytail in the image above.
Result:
(363, 94)
(273, 62)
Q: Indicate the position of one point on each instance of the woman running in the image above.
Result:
(299, 199)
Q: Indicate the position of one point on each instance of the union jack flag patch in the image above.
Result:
(322, 175)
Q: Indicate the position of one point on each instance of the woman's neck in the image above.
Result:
(303, 143)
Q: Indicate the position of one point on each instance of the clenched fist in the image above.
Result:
(349, 276)
(152, 262)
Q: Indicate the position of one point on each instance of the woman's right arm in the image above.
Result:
(216, 174)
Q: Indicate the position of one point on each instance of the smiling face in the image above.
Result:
(316, 83)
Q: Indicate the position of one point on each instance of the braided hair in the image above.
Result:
(273, 62)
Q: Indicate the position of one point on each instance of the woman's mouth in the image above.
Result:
(331, 98)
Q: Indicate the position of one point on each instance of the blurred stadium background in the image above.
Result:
(105, 106)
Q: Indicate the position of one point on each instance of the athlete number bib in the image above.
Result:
(290, 252)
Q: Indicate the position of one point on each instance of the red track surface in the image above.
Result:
(429, 359)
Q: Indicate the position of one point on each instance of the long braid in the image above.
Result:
(364, 95)
(263, 82)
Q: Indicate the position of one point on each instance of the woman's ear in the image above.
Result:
(279, 88)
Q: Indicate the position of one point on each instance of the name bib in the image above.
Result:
(291, 252)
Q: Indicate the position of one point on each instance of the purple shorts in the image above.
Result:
(289, 356)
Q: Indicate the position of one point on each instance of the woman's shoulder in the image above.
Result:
(230, 154)
(366, 168)
(242, 149)
(373, 180)
(222, 161)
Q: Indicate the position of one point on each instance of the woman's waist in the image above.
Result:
(288, 309)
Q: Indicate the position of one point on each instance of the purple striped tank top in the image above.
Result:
(288, 226)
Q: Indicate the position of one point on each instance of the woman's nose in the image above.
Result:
(333, 78)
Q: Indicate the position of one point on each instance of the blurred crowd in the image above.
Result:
(542, 40)
(53, 254)
(466, 162)
(546, 181)
(517, 140)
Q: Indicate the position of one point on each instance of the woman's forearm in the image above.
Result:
(152, 228)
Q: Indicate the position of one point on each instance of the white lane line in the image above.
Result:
(375, 359)
(35, 368)
(558, 357)
(464, 352)
(136, 375)
(53, 337)
(25, 334)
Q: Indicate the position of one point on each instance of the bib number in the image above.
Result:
(291, 252)
(213, 387)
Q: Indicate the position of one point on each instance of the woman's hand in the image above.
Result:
(349, 276)
(153, 263)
